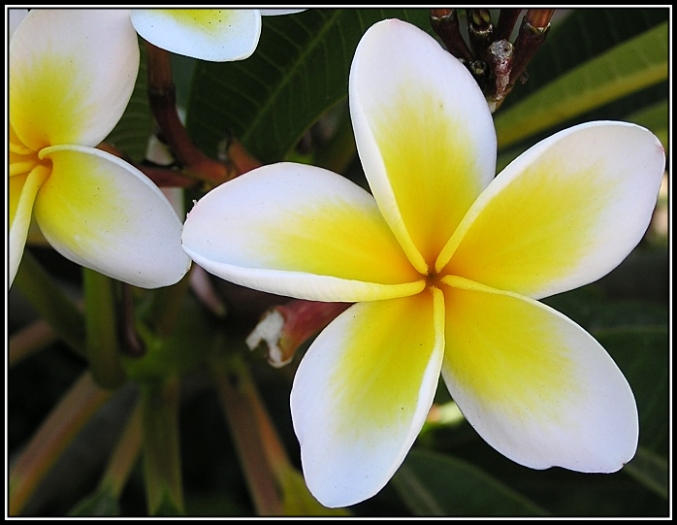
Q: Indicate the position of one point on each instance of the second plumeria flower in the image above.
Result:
(217, 35)
(446, 264)
(71, 75)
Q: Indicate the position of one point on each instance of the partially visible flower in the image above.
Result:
(15, 16)
(71, 75)
(218, 35)
(446, 264)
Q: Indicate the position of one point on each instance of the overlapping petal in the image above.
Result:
(102, 213)
(536, 386)
(22, 192)
(207, 34)
(301, 231)
(424, 134)
(70, 81)
(362, 392)
(14, 18)
(564, 213)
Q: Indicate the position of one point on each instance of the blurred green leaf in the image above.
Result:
(299, 70)
(655, 118)
(298, 501)
(627, 68)
(641, 352)
(131, 133)
(433, 484)
(51, 302)
(650, 470)
(101, 503)
(576, 36)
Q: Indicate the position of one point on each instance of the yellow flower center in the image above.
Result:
(22, 159)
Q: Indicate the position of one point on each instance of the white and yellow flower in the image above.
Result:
(217, 35)
(446, 264)
(71, 75)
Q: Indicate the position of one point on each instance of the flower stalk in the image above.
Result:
(102, 333)
(161, 451)
(533, 31)
(445, 23)
(124, 456)
(235, 390)
(162, 97)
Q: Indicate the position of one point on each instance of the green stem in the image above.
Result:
(102, 329)
(74, 410)
(124, 456)
(166, 306)
(51, 303)
(161, 452)
(234, 387)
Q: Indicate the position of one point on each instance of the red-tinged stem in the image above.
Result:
(480, 31)
(445, 24)
(532, 34)
(507, 19)
(235, 398)
(162, 97)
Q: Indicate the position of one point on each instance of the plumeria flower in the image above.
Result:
(446, 265)
(71, 75)
(218, 35)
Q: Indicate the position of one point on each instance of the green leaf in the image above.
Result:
(131, 133)
(578, 35)
(101, 503)
(51, 303)
(299, 70)
(298, 501)
(641, 352)
(655, 118)
(650, 470)
(625, 69)
(433, 484)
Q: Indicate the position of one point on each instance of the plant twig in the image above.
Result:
(162, 97)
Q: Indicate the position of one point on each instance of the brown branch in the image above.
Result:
(445, 24)
(507, 19)
(480, 31)
(532, 33)
(162, 97)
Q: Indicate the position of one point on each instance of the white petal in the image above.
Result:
(535, 385)
(276, 12)
(300, 231)
(362, 393)
(563, 214)
(15, 17)
(102, 213)
(424, 133)
(22, 192)
(209, 34)
(72, 73)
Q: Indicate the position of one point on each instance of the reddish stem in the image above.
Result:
(162, 97)
(445, 24)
